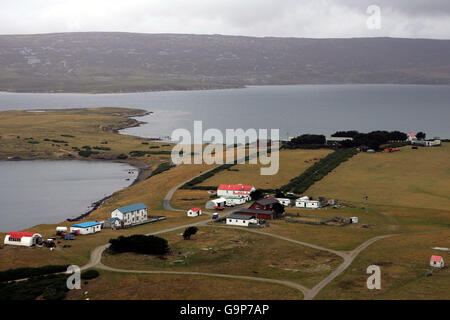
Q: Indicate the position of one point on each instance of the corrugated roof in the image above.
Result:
(239, 216)
(19, 235)
(86, 224)
(267, 201)
(133, 207)
(436, 258)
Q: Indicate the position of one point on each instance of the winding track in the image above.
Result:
(308, 294)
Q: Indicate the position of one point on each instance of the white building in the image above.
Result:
(284, 201)
(216, 203)
(305, 202)
(354, 219)
(234, 190)
(240, 220)
(130, 215)
(427, 143)
(194, 212)
(437, 262)
(411, 137)
(26, 239)
(87, 227)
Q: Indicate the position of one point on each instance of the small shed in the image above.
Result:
(60, 230)
(437, 262)
(26, 239)
(87, 227)
(284, 201)
(194, 212)
(354, 219)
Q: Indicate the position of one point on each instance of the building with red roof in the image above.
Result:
(437, 262)
(194, 212)
(234, 189)
(26, 239)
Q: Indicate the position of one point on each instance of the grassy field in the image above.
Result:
(292, 163)
(180, 287)
(408, 178)
(186, 199)
(229, 251)
(404, 261)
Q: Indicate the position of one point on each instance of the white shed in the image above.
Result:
(194, 212)
(240, 220)
(284, 201)
(86, 227)
(354, 219)
(26, 239)
(437, 262)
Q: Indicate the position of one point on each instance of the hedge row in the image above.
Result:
(140, 153)
(22, 273)
(319, 170)
(206, 175)
(52, 287)
(162, 167)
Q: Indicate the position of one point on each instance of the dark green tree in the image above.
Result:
(189, 232)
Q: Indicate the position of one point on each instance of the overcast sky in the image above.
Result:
(296, 18)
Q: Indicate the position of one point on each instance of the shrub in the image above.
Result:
(189, 232)
(162, 167)
(140, 244)
(89, 274)
(122, 156)
(52, 287)
(22, 273)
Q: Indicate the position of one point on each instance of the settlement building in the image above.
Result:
(194, 212)
(234, 190)
(437, 262)
(87, 227)
(26, 239)
(240, 220)
(131, 215)
(305, 202)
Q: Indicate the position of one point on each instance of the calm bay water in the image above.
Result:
(292, 109)
(37, 192)
(33, 192)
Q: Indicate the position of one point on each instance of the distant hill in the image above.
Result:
(120, 62)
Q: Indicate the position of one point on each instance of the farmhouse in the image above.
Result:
(305, 202)
(264, 204)
(240, 220)
(437, 262)
(26, 239)
(234, 190)
(258, 214)
(411, 137)
(87, 227)
(216, 203)
(131, 215)
(194, 212)
(284, 201)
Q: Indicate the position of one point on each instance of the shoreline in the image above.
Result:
(144, 170)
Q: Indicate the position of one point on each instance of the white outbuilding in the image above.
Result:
(87, 227)
(216, 203)
(132, 214)
(437, 262)
(354, 219)
(234, 190)
(284, 201)
(26, 239)
(240, 220)
(305, 202)
(194, 212)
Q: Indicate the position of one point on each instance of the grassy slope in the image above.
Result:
(183, 287)
(408, 178)
(235, 252)
(292, 163)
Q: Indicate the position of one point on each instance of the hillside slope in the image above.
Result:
(113, 62)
